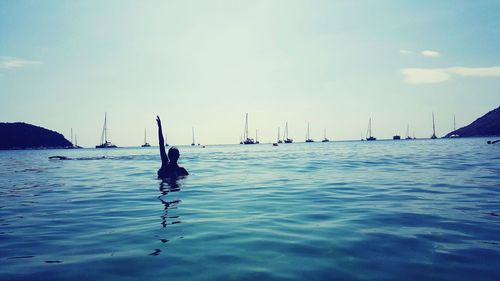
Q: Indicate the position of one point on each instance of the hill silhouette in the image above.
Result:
(485, 126)
(25, 136)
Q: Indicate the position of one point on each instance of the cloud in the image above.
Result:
(438, 75)
(405, 52)
(424, 76)
(493, 71)
(430, 53)
(11, 62)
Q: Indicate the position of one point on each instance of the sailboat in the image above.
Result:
(369, 136)
(433, 128)
(454, 135)
(408, 132)
(325, 139)
(73, 144)
(278, 138)
(76, 143)
(286, 139)
(256, 137)
(192, 131)
(246, 137)
(166, 142)
(308, 139)
(146, 144)
(104, 136)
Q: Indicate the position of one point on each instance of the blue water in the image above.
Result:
(384, 210)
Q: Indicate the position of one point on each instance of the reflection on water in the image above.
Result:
(168, 186)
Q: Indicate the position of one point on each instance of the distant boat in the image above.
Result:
(369, 136)
(286, 139)
(104, 136)
(308, 139)
(279, 140)
(325, 139)
(76, 144)
(256, 137)
(192, 131)
(73, 145)
(246, 137)
(454, 135)
(408, 132)
(433, 128)
(146, 144)
(396, 137)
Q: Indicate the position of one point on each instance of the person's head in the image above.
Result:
(173, 154)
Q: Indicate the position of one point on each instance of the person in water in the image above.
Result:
(169, 167)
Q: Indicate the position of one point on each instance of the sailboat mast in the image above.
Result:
(370, 127)
(433, 125)
(144, 135)
(286, 131)
(369, 131)
(105, 127)
(256, 136)
(192, 131)
(246, 126)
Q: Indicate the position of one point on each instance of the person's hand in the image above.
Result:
(158, 120)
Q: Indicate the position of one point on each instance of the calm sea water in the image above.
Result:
(384, 210)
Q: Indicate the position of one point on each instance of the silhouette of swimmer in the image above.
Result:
(169, 167)
(59, 157)
(492, 142)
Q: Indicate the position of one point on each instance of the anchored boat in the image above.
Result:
(369, 136)
(433, 128)
(454, 135)
(308, 139)
(104, 136)
(408, 132)
(286, 139)
(325, 139)
(246, 137)
(146, 144)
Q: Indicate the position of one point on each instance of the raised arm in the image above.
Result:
(163, 154)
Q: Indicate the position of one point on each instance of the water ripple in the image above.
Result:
(419, 210)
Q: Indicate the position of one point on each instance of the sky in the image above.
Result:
(204, 64)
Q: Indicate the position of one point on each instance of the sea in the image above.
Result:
(343, 210)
